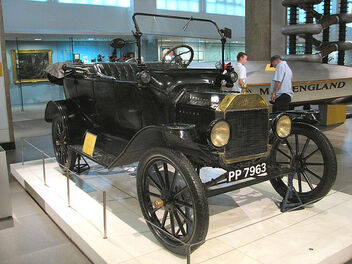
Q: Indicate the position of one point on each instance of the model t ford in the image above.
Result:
(176, 120)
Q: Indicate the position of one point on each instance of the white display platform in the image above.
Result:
(245, 225)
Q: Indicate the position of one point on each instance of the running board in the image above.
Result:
(99, 156)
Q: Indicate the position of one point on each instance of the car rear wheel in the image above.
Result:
(311, 154)
(60, 137)
(172, 199)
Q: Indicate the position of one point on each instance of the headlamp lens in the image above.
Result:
(220, 134)
(283, 126)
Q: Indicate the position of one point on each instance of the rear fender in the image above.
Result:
(55, 108)
(71, 116)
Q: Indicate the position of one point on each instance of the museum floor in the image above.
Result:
(31, 237)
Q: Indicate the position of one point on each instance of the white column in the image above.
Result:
(6, 130)
(5, 201)
(278, 20)
(4, 121)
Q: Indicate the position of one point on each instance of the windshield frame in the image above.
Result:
(138, 34)
(189, 19)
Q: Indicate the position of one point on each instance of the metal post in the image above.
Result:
(293, 38)
(326, 32)
(104, 213)
(68, 187)
(188, 254)
(43, 161)
(309, 37)
(22, 155)
(342, 33)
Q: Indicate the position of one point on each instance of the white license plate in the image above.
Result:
(258, 170)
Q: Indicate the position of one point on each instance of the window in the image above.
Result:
(226, 7)
(178, 5)
(319, 8)
(120, 3)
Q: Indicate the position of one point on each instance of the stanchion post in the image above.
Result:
(44, 174)
(22, 155)
(104, 213)
(68, 187)
(188, 248)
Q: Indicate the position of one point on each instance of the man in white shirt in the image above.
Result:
(241, 71)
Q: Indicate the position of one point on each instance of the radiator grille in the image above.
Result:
(249, 133)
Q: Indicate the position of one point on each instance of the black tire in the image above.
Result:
(315, 163)
(168, 176)
(60, 137)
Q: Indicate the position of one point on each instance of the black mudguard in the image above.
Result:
(154, 136)
(73, 119)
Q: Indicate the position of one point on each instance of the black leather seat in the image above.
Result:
(123, 71)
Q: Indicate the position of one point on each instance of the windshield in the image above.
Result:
(186, 27)
(176, 26)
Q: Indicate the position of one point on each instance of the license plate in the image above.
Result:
(259, 170)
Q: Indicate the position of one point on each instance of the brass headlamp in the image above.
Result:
(220, 133)
(282, 126)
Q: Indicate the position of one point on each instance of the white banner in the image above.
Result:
(311, 91)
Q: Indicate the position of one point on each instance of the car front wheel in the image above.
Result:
(309, 152)
(172, 199)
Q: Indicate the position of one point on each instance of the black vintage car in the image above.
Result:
(176, 120)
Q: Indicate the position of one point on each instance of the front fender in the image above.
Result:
(158, 136)
(295, 122)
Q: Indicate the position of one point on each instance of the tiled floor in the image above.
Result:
(31, 237)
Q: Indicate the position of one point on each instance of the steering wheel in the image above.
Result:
(176, 58)
(131, 60)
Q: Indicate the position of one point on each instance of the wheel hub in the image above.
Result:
(298, 163)
(169, 206)
(166, 196)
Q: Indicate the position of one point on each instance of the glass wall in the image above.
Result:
(205, 50)
(28, 56)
